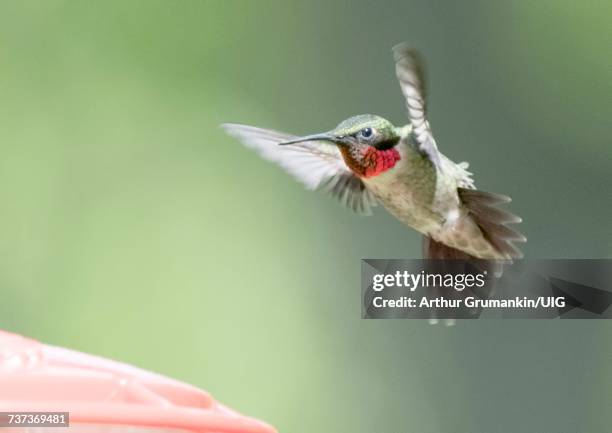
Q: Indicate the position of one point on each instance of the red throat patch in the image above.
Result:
(371, 161)
(377, 161)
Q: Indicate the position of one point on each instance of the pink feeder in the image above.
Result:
(104, 396)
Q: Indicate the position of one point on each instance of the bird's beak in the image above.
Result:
(325, 136)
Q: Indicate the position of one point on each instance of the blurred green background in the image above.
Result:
(132, 228)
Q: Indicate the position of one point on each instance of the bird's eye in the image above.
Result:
(366, 132)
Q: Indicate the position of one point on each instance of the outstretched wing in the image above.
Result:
(410, 71)
(317, 165)
(494, 223)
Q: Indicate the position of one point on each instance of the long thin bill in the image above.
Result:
(314, 137)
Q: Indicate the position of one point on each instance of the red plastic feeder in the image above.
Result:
(105, 396)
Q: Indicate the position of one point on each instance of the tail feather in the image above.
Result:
(448, 260)
(435, 250)
(493, 223)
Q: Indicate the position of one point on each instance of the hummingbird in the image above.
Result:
(366, 160)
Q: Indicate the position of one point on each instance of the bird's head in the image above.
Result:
(364, 129)
(367, 143)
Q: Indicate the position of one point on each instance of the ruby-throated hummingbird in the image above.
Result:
(367, 160)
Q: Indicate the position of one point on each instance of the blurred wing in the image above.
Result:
(494, 223)
(317, 165)
(410, 71)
